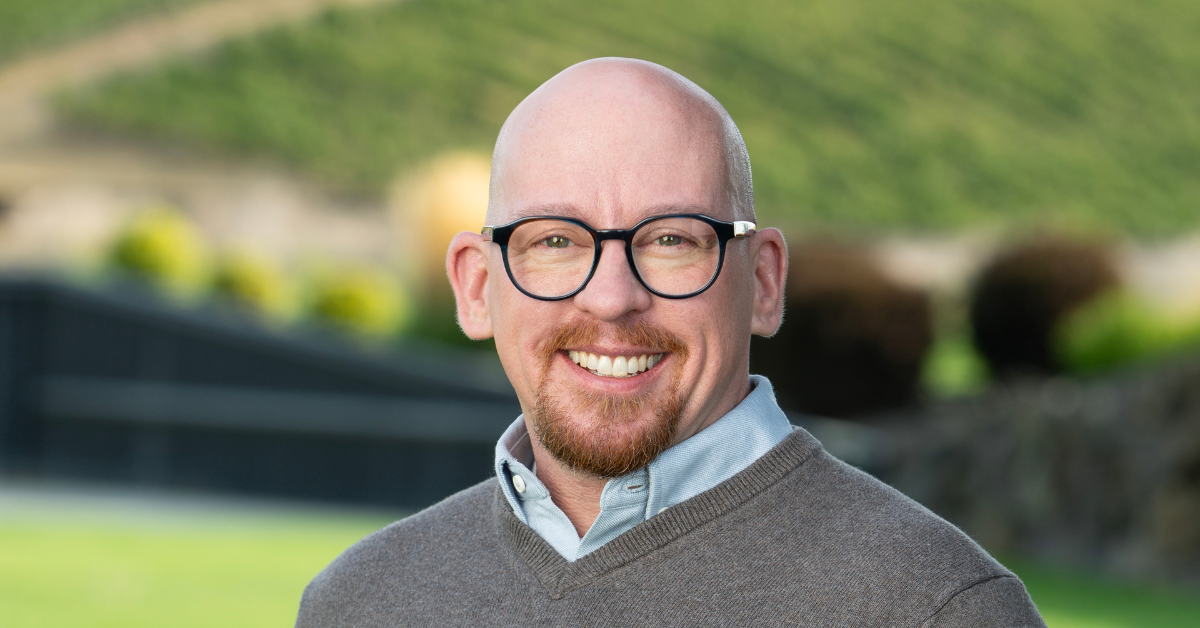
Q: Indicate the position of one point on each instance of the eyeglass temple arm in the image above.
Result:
(486, 232)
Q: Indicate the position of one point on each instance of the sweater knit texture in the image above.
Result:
(796, 539)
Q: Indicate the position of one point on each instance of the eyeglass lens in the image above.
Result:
(674, 256)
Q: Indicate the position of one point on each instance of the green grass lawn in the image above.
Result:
(30, 24)
(134, 567)
(139, 569)
(1075, 600)
(863, 115)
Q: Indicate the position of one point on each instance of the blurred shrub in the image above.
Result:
(163, 246)
(1115, 329)
(852, 342)
(361, 299)
(433, 204)
(254, 282)
(1021, 296)
(954, 367)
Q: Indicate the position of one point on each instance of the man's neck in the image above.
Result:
(577, 494)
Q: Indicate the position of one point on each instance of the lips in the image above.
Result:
(615, 366)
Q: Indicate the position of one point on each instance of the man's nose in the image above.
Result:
(614, 291)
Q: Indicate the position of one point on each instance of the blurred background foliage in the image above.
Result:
(931, 114)
(26, 26)
(1118, 328)
(255, 282)
(362, 299)
(863, 119)
(163, 246)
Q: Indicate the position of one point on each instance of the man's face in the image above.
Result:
(613, 164)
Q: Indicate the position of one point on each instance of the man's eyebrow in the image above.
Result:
(662, 210)
(567, 210)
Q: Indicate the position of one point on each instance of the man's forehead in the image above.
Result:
(611, 174)
(615, 143)
(613, 199)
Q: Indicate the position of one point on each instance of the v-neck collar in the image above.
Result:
(715, 454)
(560, 576)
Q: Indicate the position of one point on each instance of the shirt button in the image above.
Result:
(518, 484)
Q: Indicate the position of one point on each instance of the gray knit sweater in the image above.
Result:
(796, 539)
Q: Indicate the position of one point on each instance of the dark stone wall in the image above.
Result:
(1103, 474)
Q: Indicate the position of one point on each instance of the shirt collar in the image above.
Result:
(514, 455)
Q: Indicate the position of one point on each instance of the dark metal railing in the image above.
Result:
(118, 386)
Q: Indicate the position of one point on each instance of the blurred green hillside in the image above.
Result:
(861, 115)
(26, 24)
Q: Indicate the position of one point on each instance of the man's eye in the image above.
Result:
(669, 240)
(556, 242)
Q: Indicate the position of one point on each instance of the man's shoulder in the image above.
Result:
(828, 541)
(457, 533)
(826, 501)
(862, 534)
(859, 510)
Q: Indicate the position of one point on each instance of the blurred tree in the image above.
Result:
(1024, 292)
(853, 341)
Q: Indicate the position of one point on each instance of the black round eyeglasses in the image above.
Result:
(674, 256)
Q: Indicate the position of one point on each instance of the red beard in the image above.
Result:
(608, 448)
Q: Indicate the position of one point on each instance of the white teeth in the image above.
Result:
(620, 366)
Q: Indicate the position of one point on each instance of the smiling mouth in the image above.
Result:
(615, 366)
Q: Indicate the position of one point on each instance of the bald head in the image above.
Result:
(619, 143)
(615, 132)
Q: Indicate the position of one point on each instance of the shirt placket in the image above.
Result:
(622, 506)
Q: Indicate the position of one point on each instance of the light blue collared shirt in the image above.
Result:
(697, 464)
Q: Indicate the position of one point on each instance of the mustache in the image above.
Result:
(638, 333)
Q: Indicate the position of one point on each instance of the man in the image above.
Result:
(650, 480)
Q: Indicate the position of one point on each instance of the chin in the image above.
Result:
(606, 435)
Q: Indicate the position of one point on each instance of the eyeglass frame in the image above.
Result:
(725, 231)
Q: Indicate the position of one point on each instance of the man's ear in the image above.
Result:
(467, 269)
(770, 281)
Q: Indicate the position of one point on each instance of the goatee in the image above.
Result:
(607, 447)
